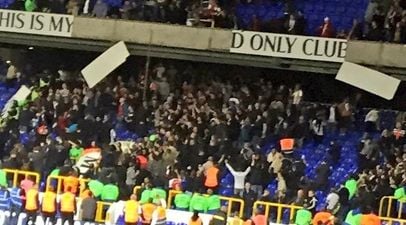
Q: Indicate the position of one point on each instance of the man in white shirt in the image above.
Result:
(371, 121)
(333, 202)
(239, 178)
(297, 95)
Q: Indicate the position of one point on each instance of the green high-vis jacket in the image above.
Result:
(400, 194)
(157, 194)
(145, 196)
(303, 217)
(110, 193)
(353, 217)
(182, 200)
(213, 202)
(198, 202)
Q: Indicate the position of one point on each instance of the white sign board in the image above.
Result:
(369, 80)
(105, 64)
(36, 23)
(289, 46)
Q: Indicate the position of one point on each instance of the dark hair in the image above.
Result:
(195, 216)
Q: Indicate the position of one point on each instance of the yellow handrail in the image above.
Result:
(16, 173)
(389, 200)
(59, 180)
(391, 220)
(230, 201)
(279, 208)
(100, 215)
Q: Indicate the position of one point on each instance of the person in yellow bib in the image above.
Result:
(147, 209)
(159, 215)
(48, 206)
(131, 211)
(32, 204)
(68, 206)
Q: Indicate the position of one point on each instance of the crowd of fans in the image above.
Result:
(385, 20)
(191, 132)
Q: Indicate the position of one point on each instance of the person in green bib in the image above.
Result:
(146, 194)
(353, 217)
(303, 216)
(198, 203)
(158, 195)
(182, 201)
(213, 202)
(110, 193)
(351, 185)
(400, 196)
(74, 153)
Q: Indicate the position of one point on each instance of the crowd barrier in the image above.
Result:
(228, 200)
(389, 207)
(101, 211)
(279, 209)
(18, 175)
(390, 210)
(58, 182)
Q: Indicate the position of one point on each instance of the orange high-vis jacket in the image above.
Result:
(31, 202)
(212, 177)
(49, 202)
(324, 217)
(68, 202)
(131, 211)
(196, 222)
(370, 219)
(72, 182)
(161, 213)
(259, 219)
(287, 144)
(147, 210)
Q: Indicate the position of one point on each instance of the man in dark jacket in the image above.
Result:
(220, 217)
(249, 197)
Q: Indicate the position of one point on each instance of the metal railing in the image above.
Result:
(230, 202)
(279, 207)
(390, 221)
(101, 209)
(59, 183)
(16, 174)
(386, 209)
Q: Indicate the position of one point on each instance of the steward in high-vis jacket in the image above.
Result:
(32, 204)
(49, 206)
(353, 217)
(220, 217)
(4, 199)
(303, 217)
(131, 211)
(159, 215)
(213, 202)
(198, 203)
(146, 212)
(68, 206)
(182, 201)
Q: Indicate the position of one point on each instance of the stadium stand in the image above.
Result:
(110, 144)
(362, 19)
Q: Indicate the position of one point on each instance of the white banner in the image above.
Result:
(103, 65)
(289, 46)
(36, 23)
(369, 80)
